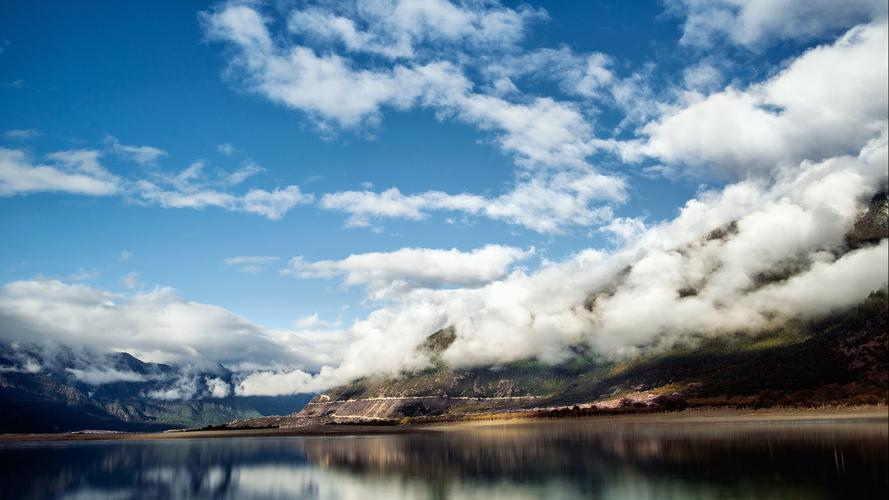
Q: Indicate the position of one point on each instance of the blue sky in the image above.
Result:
(365, 162)
(145, 74)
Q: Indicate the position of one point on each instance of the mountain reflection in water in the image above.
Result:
(555, 460)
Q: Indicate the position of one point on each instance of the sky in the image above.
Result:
(282, 185)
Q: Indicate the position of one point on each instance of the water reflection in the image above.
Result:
(567, 459)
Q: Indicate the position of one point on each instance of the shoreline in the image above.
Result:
(688, 416)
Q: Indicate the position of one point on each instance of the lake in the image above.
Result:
(622, 459)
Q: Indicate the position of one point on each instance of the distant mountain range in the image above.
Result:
(64, 394)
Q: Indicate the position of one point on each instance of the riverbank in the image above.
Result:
(690, 416)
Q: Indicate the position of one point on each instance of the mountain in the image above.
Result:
(841, 358)
(69, 393)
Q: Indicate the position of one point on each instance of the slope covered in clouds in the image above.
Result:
(789, 258)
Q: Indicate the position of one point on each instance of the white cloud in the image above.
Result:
(389, 273)
(408, 29)
(26, 365)
(625, 229)
(702, 77)
(225, 149)
(80, 172)
(130, 280)
(274, 204)
(155, 326)
(325, 85)
(587, 75)
(76, 171)
(334, 90)
(313, 321)
(21, 134)
(248, 169)
(827, 102)
(251, 264)
(542, 204)
(188, 189)
(218, 388)
(755, 23)
(183, 390)
(143, 155)
(99, 376)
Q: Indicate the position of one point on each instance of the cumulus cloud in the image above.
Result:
(827, 102)
(754, 23)
(75, 171)
(387, 273)
(143, 155)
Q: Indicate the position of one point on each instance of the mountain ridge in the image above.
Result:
(836, 359)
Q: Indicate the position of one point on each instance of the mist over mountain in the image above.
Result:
(836, 356)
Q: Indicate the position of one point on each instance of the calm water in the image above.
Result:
(552, 460)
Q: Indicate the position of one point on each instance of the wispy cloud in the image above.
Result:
(248, 169)
(251, 263)
(75, 171)
(21, 134)
(545, 204)
(143, 155)
(225, 149)
(130, 281)
(759, 22)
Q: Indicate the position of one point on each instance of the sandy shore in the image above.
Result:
(693, 416)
